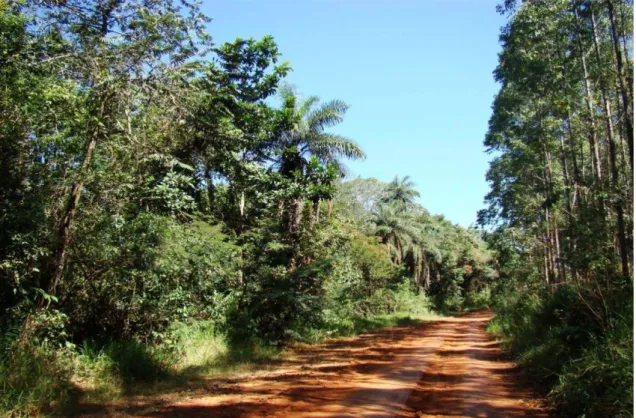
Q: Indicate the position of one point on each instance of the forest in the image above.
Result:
(171, 207)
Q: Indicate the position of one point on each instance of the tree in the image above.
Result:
(307, 137)
(112, 53)
(402, 191)
(397, 229)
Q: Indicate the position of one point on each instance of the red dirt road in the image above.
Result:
(445, 368)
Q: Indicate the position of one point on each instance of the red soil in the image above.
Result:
(445, 368)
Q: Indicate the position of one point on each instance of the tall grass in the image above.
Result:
(34, 381)
(573, 345)
(40, 380)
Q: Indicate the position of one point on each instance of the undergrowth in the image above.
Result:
(576, 351)
(39, 380)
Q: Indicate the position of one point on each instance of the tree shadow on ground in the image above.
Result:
(319, 378)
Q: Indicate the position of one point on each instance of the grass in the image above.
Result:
(36, 381)
(583, 367)
(196, 350)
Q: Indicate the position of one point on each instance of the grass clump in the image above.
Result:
(35, 381)
(198, 347)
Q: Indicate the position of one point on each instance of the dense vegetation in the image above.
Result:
(561, 200)
(168, 206)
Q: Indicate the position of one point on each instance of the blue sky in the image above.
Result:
(417, 75)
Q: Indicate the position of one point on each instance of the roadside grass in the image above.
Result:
(359, 324)
(38, 381)
(196, 353)
(35, 381)
(583, 367)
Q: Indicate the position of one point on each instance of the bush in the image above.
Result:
(600, 382)
(570, 344)
(158, 272)
(479, 299)
(195, 345)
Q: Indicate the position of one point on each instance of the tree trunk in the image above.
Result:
(317, 210)
(620, 218)
(242, 204)
(296, 218)
(311, 218)
(597, 167)
(62, 237)
(571, 204)
(625, 85)
(427, 283)
(546, 263)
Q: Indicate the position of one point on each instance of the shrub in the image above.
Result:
(570, 343)
(478, 299)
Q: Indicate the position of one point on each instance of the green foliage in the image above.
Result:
(164, 272)
(35, 365)
(478, 299)
(161, 216)
(134, 362)
(560, 210)
(599, 382)
(34, 379)
(565, 346)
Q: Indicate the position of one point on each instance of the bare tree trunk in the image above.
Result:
(311, 218)
(597, 167)
(552, 224)
(317, 210)
(240, 270)
(571, 204)
(558, 255)
(625, 85)
(242, 204)
(297, 217)
(427, 282)
(546, 262)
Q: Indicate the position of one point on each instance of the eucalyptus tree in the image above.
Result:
(563, 162)
(561, 191)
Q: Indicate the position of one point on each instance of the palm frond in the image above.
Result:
(307, 105)
(327, 115)
(328, 147)
(287, 91)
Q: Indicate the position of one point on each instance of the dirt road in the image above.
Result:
(446, 368)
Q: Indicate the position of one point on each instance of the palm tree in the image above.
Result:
(431, 254)
(401, 190)
(307, 137)
(397, 229)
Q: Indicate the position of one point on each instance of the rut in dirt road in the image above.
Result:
(445, 368)
(469, 376)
